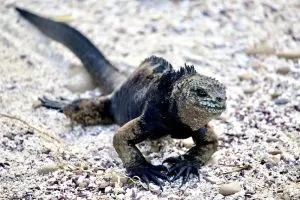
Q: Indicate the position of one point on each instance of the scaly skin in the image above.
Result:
(153, 102)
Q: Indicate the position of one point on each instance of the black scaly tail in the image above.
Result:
(104, 73)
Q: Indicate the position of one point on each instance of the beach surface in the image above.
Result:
(251, 47)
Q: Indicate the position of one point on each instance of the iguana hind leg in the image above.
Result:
(90, 111)
(84, 111)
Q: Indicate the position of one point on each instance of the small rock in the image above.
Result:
(242, 60)
(45, 151)
(52, 181)
(173, 197)
(257, 65)
(281, 101)
(288, 157)
(246, 76)
(82, 182)
(209, 179)
(120, 196)
(275, 152)
(272, 139)
(230, 188)
(4, 164)
(275, 95)
(154, 148)
(103, 184)
(36, 104)
(154, 188)
(108, 189)
(188, 143)
(297, 107)
(130, 193)
(119, 178)
(283, 70)
(218, 197)
(46, 169)
(275, 159)
(249, 90)
(119, 190)
(83, 185)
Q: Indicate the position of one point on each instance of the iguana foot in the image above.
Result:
(149, 173)
(56, 105)
(182, 167)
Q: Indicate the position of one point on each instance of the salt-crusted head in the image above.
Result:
(198, 99)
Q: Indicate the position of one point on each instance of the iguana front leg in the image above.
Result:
(124, 142)
(182, 166)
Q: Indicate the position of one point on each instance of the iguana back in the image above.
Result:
(129, 100)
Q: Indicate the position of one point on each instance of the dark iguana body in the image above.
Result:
(153, 102)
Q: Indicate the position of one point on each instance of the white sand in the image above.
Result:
(213, 36)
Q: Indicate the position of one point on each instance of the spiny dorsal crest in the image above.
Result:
(187, 69)
(171, 76)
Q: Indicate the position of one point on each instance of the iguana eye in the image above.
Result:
(201, 92)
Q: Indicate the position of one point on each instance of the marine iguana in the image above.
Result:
(153, 102)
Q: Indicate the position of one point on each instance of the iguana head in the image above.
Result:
(198, 99)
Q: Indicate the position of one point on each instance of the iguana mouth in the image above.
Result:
(213, 107)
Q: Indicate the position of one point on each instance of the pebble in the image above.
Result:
(82, 182)
(108, 189)
(241, 60)
(210, 179)
(154, 188)
(119, 178)
(275, 95)
(188, 143)
(80, 179)
(130, 193)
(218, 197)
(275, 159)
(36, 104)
(249, 90)
(297, 107)
(275, 152)
(272, 139)
(173, 197)
(46, 169)
(281, 101)
(257, 65)
(288, 157)
(120, 196)
(103, 184)
(283, 70)
(246, 76)
(230, 188)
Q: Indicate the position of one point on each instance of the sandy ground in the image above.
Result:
(259, 132)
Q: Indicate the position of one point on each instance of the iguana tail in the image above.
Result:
(105, 74)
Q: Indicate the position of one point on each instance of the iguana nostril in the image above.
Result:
(219, 99)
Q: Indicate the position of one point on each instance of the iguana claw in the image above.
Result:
(55, 105)
(182, 167)
(149, 173)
